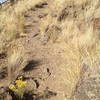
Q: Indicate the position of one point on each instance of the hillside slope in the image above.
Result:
(55, 44)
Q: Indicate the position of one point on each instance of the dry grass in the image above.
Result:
(81, 40)
(71, 70)
(12, 19)
(15, 60)
(11, 26)
(76, 57)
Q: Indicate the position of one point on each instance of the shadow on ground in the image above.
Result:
(31, 65)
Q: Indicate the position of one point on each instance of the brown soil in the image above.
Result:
(45, 60)
(44, 57)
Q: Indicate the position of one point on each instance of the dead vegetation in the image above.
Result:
(73, 24)
(76, 25)
(11, 27)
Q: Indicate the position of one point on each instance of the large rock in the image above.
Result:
(88, 87)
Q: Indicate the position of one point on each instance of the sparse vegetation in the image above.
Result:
(19, 87)
(12, 19)
(76, 21)
(72, 25)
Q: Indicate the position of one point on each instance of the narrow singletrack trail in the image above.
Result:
(45, 58)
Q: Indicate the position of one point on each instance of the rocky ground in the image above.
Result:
(45, 60)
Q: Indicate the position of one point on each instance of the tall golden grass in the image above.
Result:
(12, 19)
(79, 35)
(12, 26)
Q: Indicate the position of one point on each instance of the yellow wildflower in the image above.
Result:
(20, 78)
(20, 83)
(12, 87)
(19, 87)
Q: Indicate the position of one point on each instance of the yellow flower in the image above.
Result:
(20, 83)
(23, 83)
(12, 87)
(19, 87)
(20, 78)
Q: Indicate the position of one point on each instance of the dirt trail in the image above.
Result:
(45, 60)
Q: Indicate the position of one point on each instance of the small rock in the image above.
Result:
(31, 85)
